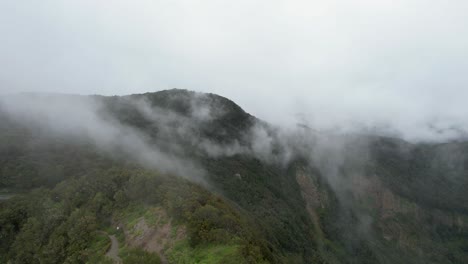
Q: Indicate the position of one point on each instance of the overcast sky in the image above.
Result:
(388, 63)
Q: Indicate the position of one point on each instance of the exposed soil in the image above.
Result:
(155, 238)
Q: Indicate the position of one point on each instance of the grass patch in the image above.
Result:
(98, 248)
(131, 214)
(174, 230)
(138, 256)
(100, 244)
(207, 254)
(150, 216)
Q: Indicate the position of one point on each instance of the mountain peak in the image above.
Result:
(185, 101)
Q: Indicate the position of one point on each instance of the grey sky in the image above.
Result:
(387, 63)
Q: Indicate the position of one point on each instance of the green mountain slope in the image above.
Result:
(193, 178)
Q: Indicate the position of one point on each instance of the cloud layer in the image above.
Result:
(387, 65)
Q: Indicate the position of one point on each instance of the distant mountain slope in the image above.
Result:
(435, 175)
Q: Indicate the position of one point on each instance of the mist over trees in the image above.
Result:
(228, 186)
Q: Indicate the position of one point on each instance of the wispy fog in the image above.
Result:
(85, 119)
(134, 128)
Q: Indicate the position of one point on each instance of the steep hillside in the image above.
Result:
(182, 177)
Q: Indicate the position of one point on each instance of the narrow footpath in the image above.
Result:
(113, 251)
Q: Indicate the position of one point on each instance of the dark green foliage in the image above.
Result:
(59, 225)
(138, 256)
(46, 231)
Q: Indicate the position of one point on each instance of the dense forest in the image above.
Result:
(181, 177)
